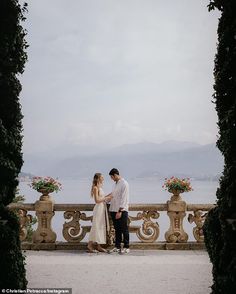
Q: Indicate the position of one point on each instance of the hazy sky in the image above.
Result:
(108, 72)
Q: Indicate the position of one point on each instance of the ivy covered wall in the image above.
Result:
(12, 61)
(220, 226)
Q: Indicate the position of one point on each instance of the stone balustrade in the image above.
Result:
(143, 222)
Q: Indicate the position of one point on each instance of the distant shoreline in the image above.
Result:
(28, 178)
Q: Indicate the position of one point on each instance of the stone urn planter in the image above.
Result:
(45, 194)
(176, 209)
(44, 211)
(176, 195)
(44, 208)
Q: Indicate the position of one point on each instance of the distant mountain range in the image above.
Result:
(133, 160)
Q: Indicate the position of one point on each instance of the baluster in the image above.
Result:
(176, 210)
(24, 219)
(72, 230)
(198, 218)
(44, 213)
(149, 231)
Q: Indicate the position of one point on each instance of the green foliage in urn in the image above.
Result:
(220, 225)
(12, 62)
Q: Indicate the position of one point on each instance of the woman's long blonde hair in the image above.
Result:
(95, 183)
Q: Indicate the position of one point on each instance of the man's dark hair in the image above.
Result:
(113, 172)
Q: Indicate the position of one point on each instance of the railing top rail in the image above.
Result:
(26, 206)
(132, 207)
(192, 207)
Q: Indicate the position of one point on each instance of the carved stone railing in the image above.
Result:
(143, 221)
(25, 219)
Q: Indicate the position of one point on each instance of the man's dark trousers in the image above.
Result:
(121, 229)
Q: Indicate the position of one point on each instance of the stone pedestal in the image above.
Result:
(176, 210)
(44, 213)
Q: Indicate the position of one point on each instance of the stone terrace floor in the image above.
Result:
(159, 271)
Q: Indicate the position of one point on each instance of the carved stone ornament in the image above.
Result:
(72, 230)
(198, 218)
(149, 231)
(25, 219)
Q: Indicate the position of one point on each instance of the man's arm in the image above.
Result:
(123, 199)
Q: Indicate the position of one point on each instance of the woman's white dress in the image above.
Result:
(100, 223)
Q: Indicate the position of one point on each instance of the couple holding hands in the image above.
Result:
(119, 202)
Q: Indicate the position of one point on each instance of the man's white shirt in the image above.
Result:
(120, 195)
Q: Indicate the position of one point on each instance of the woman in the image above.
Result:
(100, 223)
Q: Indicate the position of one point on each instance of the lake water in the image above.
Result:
(141, 191)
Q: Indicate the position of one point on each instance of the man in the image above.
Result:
(119, 211)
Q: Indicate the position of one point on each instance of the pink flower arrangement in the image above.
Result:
(182, 185)
(45, 183)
